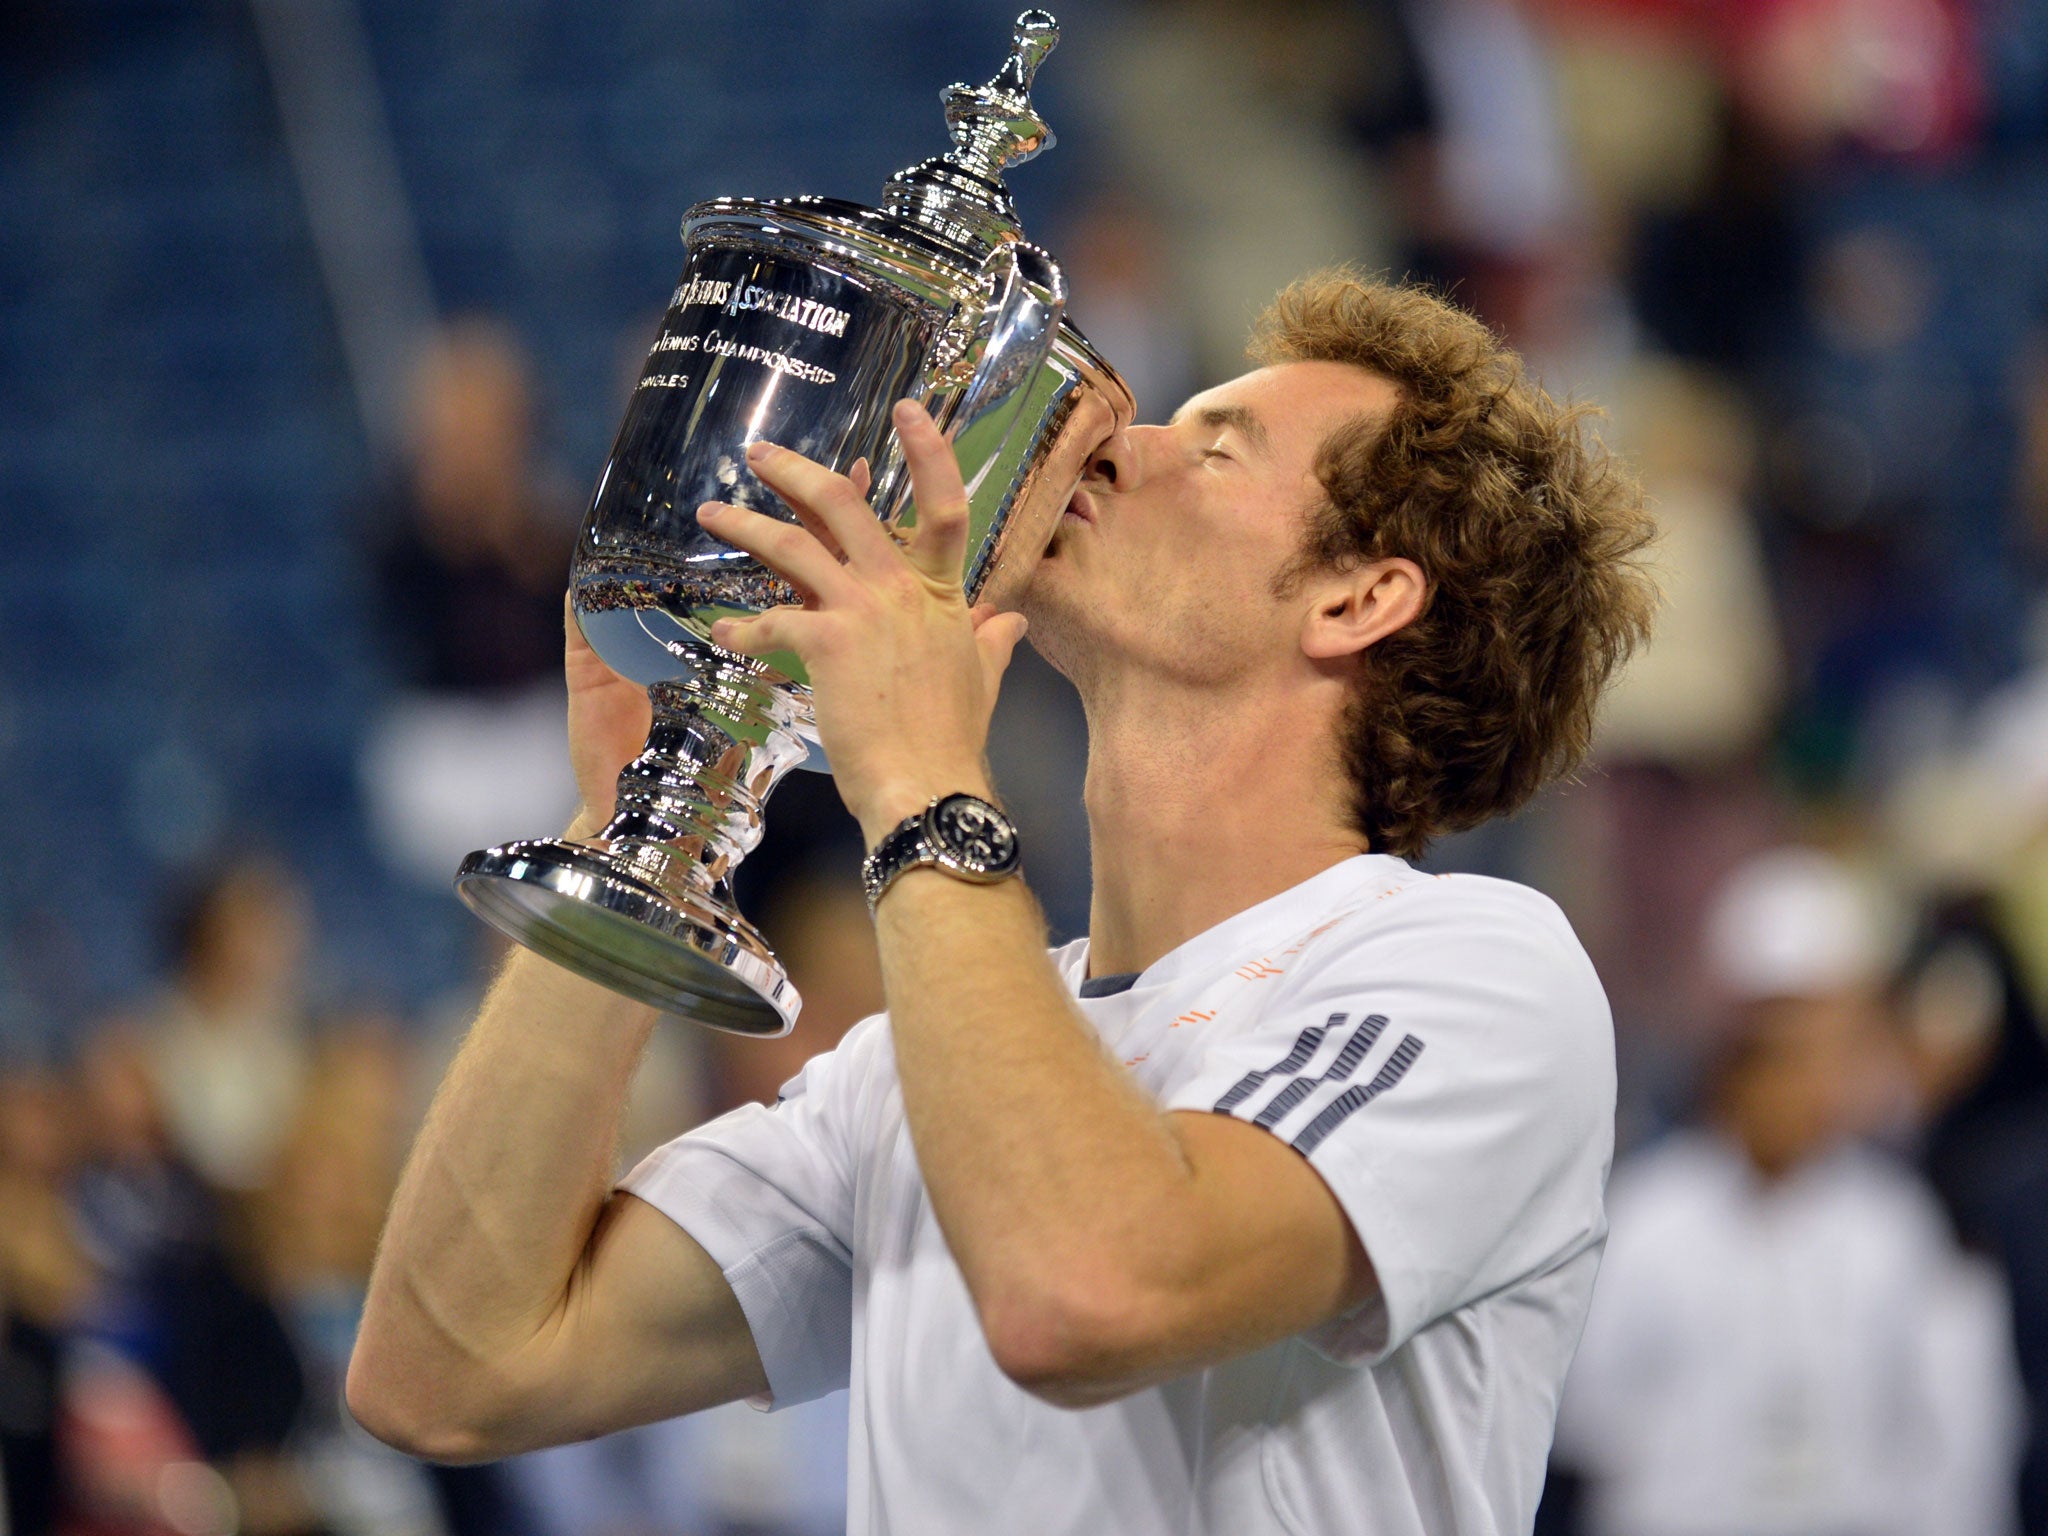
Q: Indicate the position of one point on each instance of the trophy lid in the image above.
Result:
(960, 195)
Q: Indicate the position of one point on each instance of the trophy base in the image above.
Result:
(682, 950)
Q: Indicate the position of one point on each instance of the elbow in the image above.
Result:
(414, 1417)
(1075, 1344)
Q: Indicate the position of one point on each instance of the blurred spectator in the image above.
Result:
(183, 1387)
(1785, 1340)
(471, 558)
(1893, 78)
(1704, 696)
(1239, 122)
(44, 1277)
(1974, 999)
(227, 1049)
(1503, 192)
(472, 553)
(1120, 264)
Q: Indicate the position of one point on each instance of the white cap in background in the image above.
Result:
(1797, 922)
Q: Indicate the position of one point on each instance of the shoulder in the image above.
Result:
(1491, 954)
(1472, 910)
(864, 1057)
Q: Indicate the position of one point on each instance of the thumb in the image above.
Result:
(996, 638)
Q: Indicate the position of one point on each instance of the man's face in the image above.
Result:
(1810, 1072)
(1166, 560)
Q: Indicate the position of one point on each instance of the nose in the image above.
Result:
(1119, 463)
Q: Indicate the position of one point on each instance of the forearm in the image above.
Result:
(1054, 1177)
(503, 1188)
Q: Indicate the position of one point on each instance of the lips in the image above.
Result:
(1079, 509)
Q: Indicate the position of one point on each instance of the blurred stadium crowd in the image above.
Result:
(315, 316)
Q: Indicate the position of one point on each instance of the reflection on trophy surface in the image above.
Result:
(798, 321)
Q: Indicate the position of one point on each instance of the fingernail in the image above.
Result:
(708, 511)
(760, 448)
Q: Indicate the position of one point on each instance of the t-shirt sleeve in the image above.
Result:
(768, 1193)
(1445, 1061)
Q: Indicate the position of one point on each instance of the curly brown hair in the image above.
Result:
(1529, 533)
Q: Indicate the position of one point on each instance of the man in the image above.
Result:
(1787, 1338)
(1273, 1205)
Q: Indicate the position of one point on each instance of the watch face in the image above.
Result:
(975, 833)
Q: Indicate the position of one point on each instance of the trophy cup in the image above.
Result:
(800, 321)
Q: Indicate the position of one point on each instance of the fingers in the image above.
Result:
(938, 547)
(582, 665)
(996, 639)
(764, 633)
(834, 501)
(790, 551)
(861, 478)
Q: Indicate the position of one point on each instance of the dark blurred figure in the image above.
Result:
(470, 554)
(44, 1278)
(1981, 1065)
(1785, 1339)
(183, 1387)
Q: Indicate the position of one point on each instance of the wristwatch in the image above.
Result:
(962, 834)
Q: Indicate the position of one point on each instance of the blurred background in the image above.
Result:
(315, 319)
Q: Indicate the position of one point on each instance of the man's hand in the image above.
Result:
(903, 674)
(609, 718)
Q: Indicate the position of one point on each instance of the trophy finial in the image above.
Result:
(1035, 35)
(994, 127)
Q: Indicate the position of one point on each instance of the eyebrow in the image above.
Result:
(1248, 426)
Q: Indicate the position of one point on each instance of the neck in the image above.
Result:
(1200, 807)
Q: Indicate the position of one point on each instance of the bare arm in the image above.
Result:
(1108, 1246)
(516, 1301)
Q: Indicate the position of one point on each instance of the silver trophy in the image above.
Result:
(800, 321)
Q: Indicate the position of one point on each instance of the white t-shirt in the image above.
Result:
(1775, 1359)
(1440, 1050)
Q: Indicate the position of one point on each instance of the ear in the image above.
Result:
(1351, 610)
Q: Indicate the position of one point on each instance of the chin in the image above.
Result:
(1060, 628)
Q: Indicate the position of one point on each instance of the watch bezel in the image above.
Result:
(918, 841)
(961, 864)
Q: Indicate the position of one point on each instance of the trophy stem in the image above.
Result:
(646, 905)
(721, 742)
